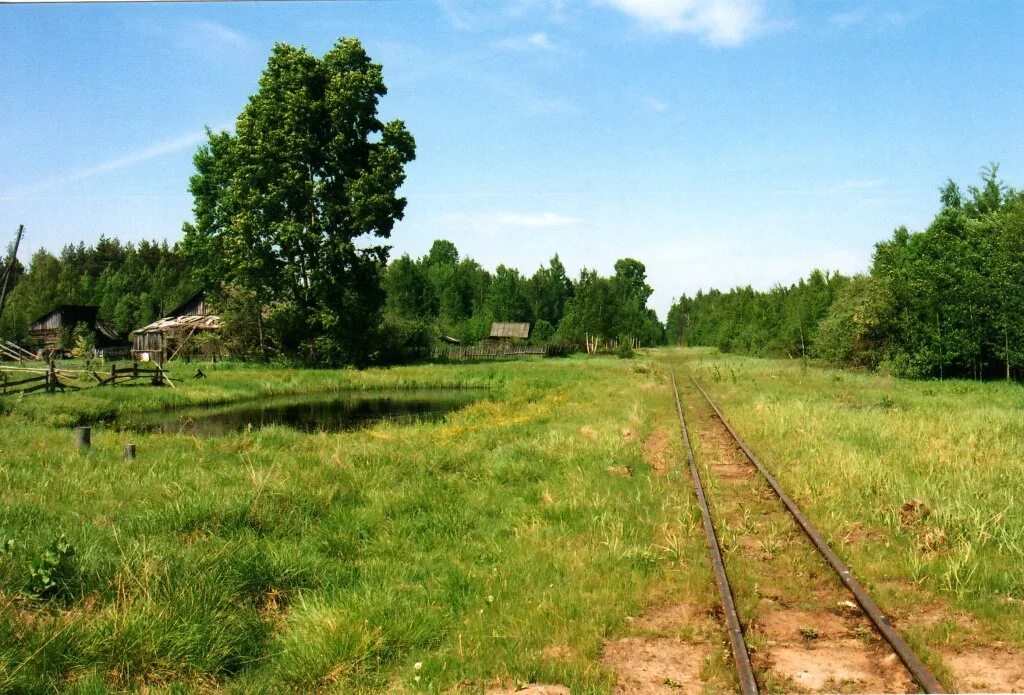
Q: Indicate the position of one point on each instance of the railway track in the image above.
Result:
(737, 642)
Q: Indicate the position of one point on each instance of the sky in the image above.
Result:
(720, 142)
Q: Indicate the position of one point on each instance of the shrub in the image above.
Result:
(51, 574)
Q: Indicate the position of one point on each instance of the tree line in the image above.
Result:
(425, 299)
(443, 295)
(946, 301)
(132, 284)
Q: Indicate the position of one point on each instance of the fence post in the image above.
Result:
(113, 373)
(135, 369)
(129, 452)
(83, 437)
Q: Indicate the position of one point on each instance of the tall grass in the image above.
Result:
(920, 483)
(493, 546)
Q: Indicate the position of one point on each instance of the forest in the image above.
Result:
(439, 294)
(942, 302)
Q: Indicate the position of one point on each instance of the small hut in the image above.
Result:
(161, 340)
(48, 328)
(504, 333)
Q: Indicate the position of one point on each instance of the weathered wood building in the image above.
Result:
(161, 340)
(506, 332)
(48, 328)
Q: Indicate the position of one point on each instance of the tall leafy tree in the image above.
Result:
(290, 206)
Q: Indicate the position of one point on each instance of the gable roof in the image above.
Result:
(76, 313)
(510, 330)
(198, 299)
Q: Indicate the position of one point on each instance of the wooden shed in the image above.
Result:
(47, 329)
(161, 340)
(506, 332)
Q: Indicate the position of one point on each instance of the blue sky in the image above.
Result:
(721, 142)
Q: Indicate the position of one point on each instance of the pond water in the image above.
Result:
(322, 413)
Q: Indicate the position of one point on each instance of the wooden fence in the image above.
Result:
(156, 375)
(13, 351)
(13, 380)
(487, 352)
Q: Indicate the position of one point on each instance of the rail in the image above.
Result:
(737, 643)
(914, 665)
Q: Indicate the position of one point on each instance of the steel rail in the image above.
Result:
(913, 663)
(737, 643)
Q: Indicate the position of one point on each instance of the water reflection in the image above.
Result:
(336, 412)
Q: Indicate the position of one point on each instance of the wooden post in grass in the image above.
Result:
(83, 437)
(129, 452)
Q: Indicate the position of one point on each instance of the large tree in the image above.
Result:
(289, 207)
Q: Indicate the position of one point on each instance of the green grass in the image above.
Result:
(493, 546)
(853, 448)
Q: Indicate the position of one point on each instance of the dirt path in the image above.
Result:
(670, 649)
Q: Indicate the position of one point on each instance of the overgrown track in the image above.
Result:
(738, 646)
(913, 663)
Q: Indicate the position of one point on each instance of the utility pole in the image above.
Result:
(9, 270)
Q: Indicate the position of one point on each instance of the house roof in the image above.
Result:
(106, 328)
(81, 312)
(211, 322)
(510, 330)
(198, 294)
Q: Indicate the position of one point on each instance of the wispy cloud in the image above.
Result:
(538, 41)
(496, 222)
(542, 220)
(877, 17)
(473, 15)
(717, 22)
(125, 161)
(655, 105)
(214, 31)
(856, 185)
(205, 39)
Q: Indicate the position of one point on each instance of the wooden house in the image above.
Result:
(161, 340)
(47, 329)
(506, 332)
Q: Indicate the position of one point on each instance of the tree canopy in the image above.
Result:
(944, 301)
(292, 205)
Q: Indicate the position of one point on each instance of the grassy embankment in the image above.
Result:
(494, 546)
(919, 485)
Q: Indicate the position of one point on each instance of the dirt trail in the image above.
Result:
(807, 634)
(667, 651)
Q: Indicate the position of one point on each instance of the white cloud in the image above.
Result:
(538, 41)
(718, 22)
(123, 162)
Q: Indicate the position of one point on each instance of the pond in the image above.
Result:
(321, 413)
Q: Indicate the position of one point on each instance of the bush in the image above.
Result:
(542, 333)
(403, 340)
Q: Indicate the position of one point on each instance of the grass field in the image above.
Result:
(502, 546)
(494, 547)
